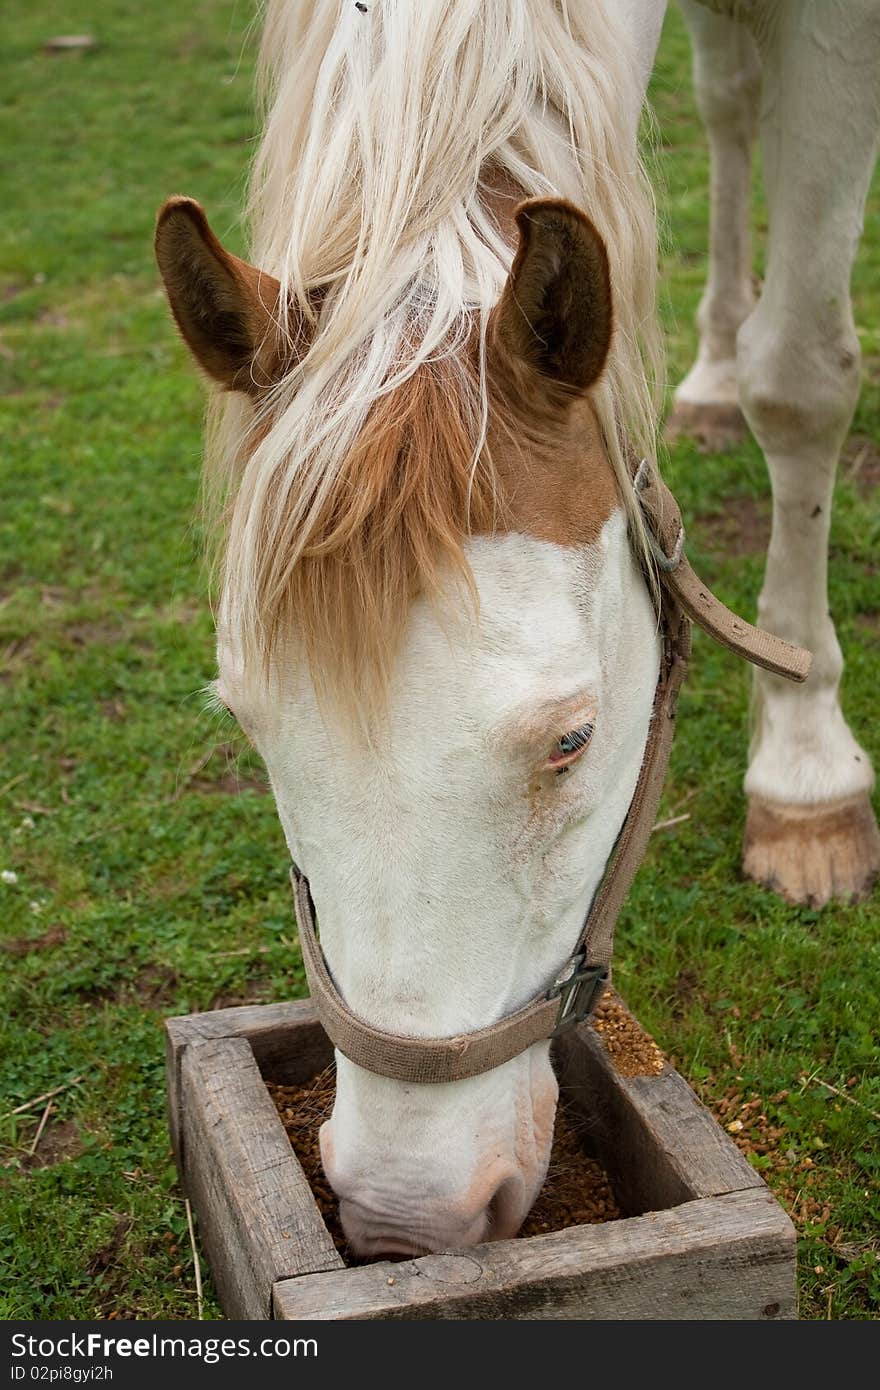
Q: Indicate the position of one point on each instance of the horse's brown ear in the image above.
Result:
(226, 309)
(555, 313)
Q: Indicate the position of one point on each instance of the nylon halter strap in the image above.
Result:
(573, 994)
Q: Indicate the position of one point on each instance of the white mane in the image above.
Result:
(378, 127)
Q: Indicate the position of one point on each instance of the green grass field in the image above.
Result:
(150, 867)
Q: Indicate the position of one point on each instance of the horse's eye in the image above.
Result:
(578, 738)
(569, 748)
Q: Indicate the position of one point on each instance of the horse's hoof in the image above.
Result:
(813, 854)
(715, 426)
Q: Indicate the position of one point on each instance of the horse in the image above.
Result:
(438, 620)
(787, 363)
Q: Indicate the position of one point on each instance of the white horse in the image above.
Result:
(434, 597)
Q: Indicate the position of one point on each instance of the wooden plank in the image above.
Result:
(726, 1250)
(729, 1257)
(287, 1041)
(653, 1136)
(257, 1217)
(175, 1041)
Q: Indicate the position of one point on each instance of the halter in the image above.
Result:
(574, 992)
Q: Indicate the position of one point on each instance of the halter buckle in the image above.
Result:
(578, 993)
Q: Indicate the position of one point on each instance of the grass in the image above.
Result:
(150, 867)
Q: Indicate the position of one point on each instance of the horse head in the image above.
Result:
(454, 836)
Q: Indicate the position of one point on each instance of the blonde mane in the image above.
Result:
(357, 483)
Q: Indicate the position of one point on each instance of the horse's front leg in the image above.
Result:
(811, 833)
(727, 82)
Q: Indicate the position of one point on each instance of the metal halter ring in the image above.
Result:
(664, 562)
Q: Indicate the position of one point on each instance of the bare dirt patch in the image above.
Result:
(739, 526)
(181, 612)
(685, 990)
(53, 596)
(52, 318)
(107, 1254)
(253, 991)
(114, 710)
(231, 783)
(14, 657)
(107, 1269)
(150, 987)
(97, 634)
(24, 945)
(218, 771)
(155, 984)
(59, 1141)
(860, 463)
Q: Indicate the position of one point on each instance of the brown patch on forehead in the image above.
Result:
(557, 486)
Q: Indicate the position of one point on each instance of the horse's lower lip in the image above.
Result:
(400, 1245)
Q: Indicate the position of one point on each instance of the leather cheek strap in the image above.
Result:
(571, 997)
(404, 1058)
(666, 533)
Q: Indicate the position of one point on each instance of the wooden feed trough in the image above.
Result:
(702, 1237)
